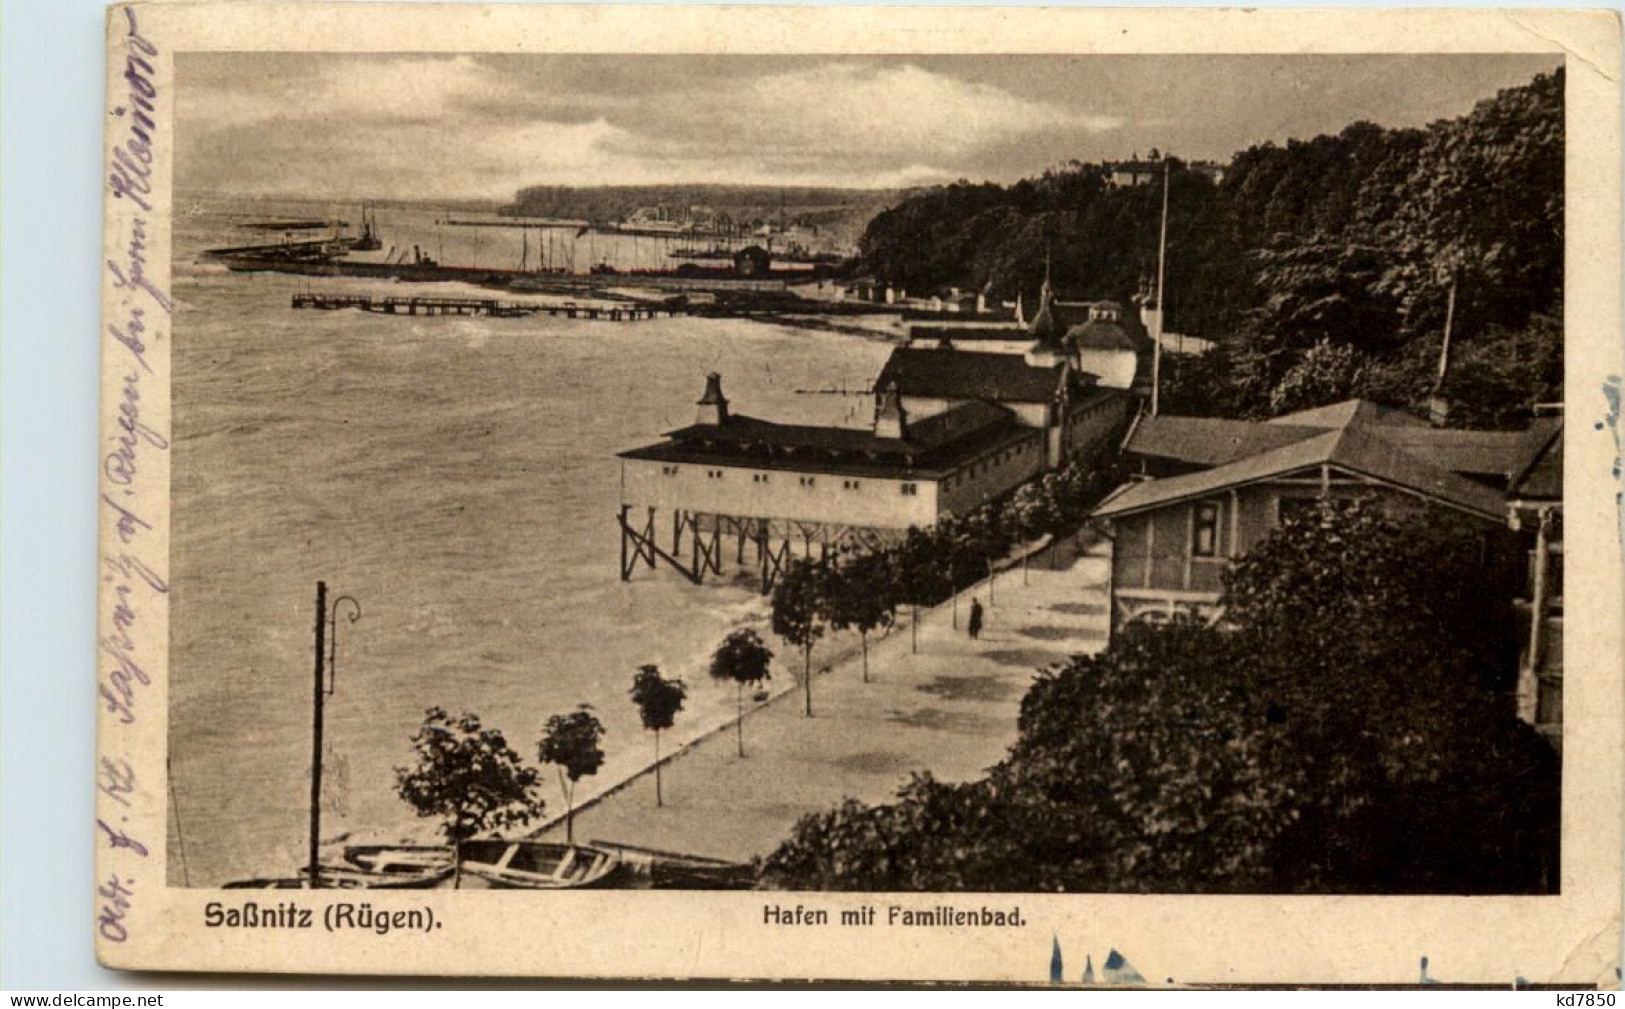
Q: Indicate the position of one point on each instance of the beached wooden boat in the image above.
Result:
(537, 865)
(700, 874)
(654, 869)
(337, 877)
(400, 860)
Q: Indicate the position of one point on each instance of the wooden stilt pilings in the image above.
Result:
(698, 543)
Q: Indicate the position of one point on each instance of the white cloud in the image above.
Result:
(848, 107)
(357, 91)
(455, 126)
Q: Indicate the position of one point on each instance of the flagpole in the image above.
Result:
(1162, 256)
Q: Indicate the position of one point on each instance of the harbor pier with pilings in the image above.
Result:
(482, 306)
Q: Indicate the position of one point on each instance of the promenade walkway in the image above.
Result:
(951, 709)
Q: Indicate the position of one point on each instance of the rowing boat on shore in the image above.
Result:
(336, 877)
(399, 860)
(654, 869)
(537, 865)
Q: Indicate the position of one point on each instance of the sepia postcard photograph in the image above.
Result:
(1030, 496)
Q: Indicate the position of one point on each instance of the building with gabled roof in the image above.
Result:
(1100, 338)
(1350, 411)
(1110, 345)
(948, 375)
(780, 489)
(1216, 487)
(1043, 386)
(1168, 445)
(1044, 391)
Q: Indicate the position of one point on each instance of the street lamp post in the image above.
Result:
(325, 679)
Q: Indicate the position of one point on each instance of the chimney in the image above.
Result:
(889, 419)
(713, 405)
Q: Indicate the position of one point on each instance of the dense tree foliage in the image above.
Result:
(1353, 241)
(469, 777)
(1346, 730)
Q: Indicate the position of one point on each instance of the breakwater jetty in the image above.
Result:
(482, 306)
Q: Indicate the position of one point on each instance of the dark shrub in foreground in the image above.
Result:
(1342, 733)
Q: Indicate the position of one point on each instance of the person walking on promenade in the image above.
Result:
(975, 625)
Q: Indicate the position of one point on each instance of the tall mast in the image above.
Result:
(1162, 258)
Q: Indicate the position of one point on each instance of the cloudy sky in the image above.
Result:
(450, 127)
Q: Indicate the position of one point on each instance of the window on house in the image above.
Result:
(1205, 530)
(808, 481)
(911, 489)
(849, 484)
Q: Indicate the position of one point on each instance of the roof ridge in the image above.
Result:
(1384, 452)
(1542, 445)
(1347, 447)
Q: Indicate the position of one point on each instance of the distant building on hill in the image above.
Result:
(1134, 172)
(1212, 169)
(1142, 172)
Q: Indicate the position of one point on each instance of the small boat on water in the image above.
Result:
(537, 865)
(337, 877)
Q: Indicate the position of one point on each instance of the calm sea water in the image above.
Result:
(457, 476)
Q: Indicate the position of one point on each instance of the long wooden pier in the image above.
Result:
(482, 306)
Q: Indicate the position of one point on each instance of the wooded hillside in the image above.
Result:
(1323, 266)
